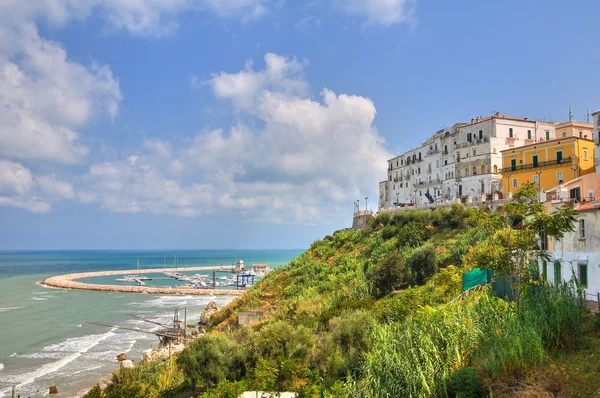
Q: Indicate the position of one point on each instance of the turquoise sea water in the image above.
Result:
(44, 337)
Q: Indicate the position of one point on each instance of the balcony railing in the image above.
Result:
(537, 165)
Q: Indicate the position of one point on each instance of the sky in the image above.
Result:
(254, 124)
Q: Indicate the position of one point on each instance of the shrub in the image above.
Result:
(465, 383)
(389, 273)
(210, 360)
(388, 232)
(381, 220)
(424, 263)
(413, 234)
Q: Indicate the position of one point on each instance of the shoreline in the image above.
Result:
(69, 281)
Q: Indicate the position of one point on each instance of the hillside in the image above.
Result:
(379, 312)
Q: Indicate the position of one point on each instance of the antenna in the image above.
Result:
(570, 113)
(587, 117)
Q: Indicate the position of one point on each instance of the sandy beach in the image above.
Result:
(69, 281)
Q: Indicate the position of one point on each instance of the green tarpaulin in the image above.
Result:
(500, 286)
(474, 278)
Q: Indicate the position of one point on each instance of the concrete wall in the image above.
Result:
(361, 221)
(246, 317)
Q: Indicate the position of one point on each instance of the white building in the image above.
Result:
(462, 162)
(578, 252)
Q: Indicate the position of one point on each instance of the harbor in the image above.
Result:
(198, 284)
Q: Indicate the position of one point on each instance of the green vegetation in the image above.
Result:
(380, 313)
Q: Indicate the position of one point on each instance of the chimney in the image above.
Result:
(497, 113)
(472, 120)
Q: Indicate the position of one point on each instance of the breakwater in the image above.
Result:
(69, 281)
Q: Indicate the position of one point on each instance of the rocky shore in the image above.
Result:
(69, 281)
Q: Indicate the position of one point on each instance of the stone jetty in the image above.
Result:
(69, 281)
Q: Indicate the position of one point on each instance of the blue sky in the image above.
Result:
(253, 123)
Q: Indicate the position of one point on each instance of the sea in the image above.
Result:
(45, 337)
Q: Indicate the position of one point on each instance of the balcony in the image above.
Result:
(530, 166)
(432, 151)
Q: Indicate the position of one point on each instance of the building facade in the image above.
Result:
(578, 252)
(462, 162)
(547, 163)
(574, 129)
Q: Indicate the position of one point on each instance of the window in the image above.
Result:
(474, 170)
(466, 172)
(510, 132)
(458, 157)
(494, 150)
(585, 154)
(458, 174)
(547, 135)
(446, 162)
(482, 169)
(513, 164)
(536, 179)
(495, 169)
(474, 152)
(437, 163)
(402, 161)
(558, 156)
(591, 195)
(528, 134)
(583, 277)
(445, 149)
(581, 134)
(419, 156)
(559, 176)
(581, 229)
(401, 184)
(480, 134)
(557, 272)
(515, 183)
(469, 137)
(482, 188)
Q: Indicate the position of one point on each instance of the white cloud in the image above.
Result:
(18, 188)
(382, 12)
(138, 17)
(45, 97)
(305, 163)
(56, 188)
(15, 178)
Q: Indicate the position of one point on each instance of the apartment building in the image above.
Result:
(462, 162)
(574, 128)
(548, 163)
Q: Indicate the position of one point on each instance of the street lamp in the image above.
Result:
(397, 195)
(414, 196)
(366, 208)
(456, 184)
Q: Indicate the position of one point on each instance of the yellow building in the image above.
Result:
(547, 163)
(574, 129)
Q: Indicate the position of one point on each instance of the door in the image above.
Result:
(513, 164)
(558, 157)
(535, 160)
(460, 190)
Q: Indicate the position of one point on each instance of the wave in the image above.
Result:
(14, 354)
(81, 344)
(10, 309)
(1, 366)
(39, 298)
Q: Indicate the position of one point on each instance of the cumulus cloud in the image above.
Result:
(381, 12)
(138, 17)
(45, 97)
(18, 188)
(307, 160)
(56, 188)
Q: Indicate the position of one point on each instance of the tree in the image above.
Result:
(390, 272)
(513, 234)
(423, 263)
(413, 234)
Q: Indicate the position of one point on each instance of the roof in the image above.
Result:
(598, 111)
(572, 138)
(589, 206)
(502, 117)
(575, 123)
